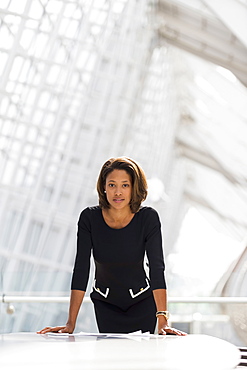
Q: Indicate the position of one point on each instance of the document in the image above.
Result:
(138, 333)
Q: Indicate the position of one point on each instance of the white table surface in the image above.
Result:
(193, 352)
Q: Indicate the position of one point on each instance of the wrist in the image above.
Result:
(165, 314)
(70, 323)
(162, 321)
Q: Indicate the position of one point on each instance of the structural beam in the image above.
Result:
(233, 14)
(205, 159)
(202, 34)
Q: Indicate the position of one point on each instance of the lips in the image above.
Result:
(118, 200)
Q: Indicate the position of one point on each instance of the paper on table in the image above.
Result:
(138, 333)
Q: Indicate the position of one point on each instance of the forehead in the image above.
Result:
(118, 175)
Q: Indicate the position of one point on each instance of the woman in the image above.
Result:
(119, 233)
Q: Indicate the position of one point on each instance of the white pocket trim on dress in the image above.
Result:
(133, 295)
(99, 291)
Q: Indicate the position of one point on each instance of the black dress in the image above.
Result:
(122, 289)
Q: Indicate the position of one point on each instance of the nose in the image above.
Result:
(118, 191)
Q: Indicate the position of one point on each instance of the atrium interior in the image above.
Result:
(161, 81)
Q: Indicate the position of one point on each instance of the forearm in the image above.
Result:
(160, 297)
(76, 298)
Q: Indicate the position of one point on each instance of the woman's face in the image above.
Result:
(118, 189)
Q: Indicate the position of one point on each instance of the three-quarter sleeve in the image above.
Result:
(154, 250)
(84, 246)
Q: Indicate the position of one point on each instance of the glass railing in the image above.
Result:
(195, 315)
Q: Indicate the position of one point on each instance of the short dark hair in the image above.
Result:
(138, 181)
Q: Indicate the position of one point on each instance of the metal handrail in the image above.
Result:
(47, 299)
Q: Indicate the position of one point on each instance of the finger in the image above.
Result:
(56, 329)
(63, 331)
(162, 332)
(43, 331)
(48, 330)
(183, 333)
(172, 331)
(178, 332)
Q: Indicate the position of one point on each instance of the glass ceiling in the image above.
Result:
(85, 80)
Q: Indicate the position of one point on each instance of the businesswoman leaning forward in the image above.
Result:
(119, 233)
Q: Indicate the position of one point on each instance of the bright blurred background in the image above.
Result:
(163, 82)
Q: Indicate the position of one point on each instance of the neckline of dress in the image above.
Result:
(121, 228)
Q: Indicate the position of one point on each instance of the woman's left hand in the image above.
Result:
(172, 331)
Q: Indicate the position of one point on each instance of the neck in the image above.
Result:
(117, 218)
(118, 214)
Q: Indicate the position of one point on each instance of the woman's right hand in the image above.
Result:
(68, 328)
(76, 299)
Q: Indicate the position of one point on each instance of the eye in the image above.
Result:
(111, 185)
(126, 185)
